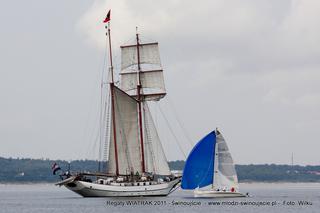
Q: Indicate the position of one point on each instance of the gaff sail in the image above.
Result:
(156, 161)
(127, 135)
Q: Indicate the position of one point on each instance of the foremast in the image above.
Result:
(112, 98)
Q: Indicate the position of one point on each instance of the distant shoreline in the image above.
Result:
(28, 170)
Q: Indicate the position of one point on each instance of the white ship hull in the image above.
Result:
(217, 194)
(87, 189)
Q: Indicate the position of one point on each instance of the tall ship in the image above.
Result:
(137, 165)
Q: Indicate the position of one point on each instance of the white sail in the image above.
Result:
(126, 112)
(155, 158)
(225, 176)
(148, 53)
(152, 83)
(127, 135)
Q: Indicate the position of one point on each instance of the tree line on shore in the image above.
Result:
(39, 170)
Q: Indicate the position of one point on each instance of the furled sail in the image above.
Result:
(155, 158)
(127, 135)
(198, 170)
(151, 75)
(225, 176)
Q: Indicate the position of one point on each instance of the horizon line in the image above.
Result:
(48, 159)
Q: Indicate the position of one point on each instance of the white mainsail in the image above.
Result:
(127, 135)
(225, 175)
(156, 161)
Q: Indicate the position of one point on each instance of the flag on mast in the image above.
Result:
(108, 17)
(55, 167)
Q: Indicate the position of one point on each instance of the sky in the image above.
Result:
(249, 67)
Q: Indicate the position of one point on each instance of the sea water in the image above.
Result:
(264, 197)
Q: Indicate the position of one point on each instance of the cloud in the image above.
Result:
(252, 35)
(253, 64)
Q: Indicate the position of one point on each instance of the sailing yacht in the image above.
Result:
(210, 170)
(137, 165)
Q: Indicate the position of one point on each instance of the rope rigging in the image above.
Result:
(171, 131)
(186, 134)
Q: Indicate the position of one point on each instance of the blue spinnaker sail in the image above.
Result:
(198, 170)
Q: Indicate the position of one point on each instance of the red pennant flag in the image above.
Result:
(107, 19)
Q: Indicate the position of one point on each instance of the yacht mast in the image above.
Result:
(112, 99)
(139, 103)
(215, 161)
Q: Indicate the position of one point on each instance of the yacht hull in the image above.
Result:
(87, 189)
(217, 194)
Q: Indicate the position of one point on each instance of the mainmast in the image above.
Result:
(139, 97)
(112, 95)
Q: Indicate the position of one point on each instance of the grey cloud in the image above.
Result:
(249, 67)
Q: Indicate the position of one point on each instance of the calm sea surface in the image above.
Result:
(284, 197)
